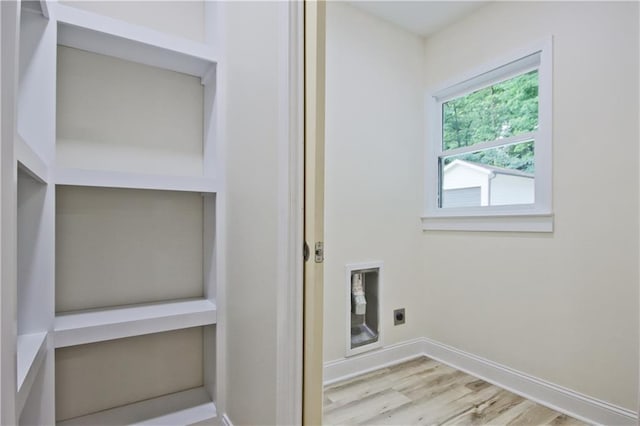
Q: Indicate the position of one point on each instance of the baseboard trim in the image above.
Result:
(224, 420)
(352, 366)
(574, 404)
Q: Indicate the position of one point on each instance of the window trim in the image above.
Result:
(537, 217)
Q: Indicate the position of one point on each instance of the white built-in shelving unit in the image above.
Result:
(118, 189)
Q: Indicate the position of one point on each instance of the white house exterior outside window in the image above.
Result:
(488, 157)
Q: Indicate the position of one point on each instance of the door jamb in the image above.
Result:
(314, 102)
(289, 338)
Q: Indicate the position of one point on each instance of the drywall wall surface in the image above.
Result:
(181, 18)
(373, 163)
(125, 246)
(103, 375)
(159, 115)
(561, 306)
(251, 111)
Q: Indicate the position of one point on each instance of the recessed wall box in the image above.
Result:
(363, 314)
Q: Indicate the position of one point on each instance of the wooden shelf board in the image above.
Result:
(111, 179)
(30, 161)
(182, 408)
(100, 34)
(31, 351)
(78, 328)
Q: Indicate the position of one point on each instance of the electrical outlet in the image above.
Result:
(398, 316)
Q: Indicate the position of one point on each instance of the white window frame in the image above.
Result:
(537, 217)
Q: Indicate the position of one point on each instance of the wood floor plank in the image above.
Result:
(486, 412)
(424, 391)
(460, 407)
(362, 411)
(419, 411)
(535, 416)
(356, 389)
(367, 377)
(436, 409)
(564, 420)
(431, 386)
(513, 413)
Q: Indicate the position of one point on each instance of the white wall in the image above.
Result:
(103, 375)
(159, 131)
(560, 306)
(251, 44)
(105, 244)
(373, 176)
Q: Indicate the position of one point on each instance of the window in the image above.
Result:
(489, 148)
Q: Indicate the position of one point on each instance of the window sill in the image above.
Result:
(497, 223)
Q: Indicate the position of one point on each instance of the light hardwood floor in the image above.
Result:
(426, 392)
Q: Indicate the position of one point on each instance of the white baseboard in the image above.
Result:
(224, 420)
(352, 366)
(561, 399)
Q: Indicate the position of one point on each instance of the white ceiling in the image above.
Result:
(420, 17)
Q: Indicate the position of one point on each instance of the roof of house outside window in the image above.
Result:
(490, 169)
